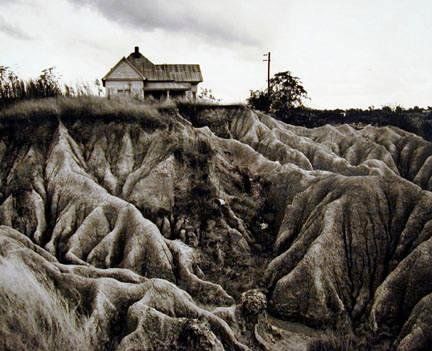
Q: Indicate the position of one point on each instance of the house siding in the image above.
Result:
(124, 88)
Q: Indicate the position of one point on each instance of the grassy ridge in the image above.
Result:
(76, 108)
(83, 107)
(156, 115)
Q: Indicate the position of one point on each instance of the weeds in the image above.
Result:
(332, 342)
(33, 315)
(13, 88)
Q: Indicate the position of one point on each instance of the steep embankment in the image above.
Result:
(210, 228)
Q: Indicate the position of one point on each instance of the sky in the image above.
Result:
(347, 53)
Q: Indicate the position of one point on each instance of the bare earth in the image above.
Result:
(221, 229)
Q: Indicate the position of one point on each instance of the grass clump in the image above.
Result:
(33, 315)
(332, 342)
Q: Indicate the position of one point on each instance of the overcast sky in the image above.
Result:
(348, 53)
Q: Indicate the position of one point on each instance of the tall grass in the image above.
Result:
(339, 341)
(332, 342)
(33, 315)
(13, 88)
(82, 108)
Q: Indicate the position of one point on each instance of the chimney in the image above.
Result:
(136, 52)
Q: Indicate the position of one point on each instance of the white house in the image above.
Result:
(138, 76)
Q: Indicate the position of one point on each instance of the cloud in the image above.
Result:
(220, 21)
(13, 31)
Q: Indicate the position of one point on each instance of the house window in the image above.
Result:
(123, 91)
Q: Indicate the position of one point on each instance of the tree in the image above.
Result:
(259, 100)
(286, 93)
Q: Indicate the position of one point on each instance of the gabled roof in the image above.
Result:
(160, 73)
(124, 59)
(140, 61)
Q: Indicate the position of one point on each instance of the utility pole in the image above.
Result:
(268, 60)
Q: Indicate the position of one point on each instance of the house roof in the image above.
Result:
(190, 73)
(124, 59)
(139, 60)
(174, 73)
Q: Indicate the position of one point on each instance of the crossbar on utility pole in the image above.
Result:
(268, 60)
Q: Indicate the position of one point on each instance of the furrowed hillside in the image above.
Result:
(205, 227)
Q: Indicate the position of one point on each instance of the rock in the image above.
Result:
(221, 202)
(191, 239)
(252, 304)
(198, 336)
(182, 235)
(166, 228)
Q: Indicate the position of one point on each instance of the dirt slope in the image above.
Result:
(210, 228)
